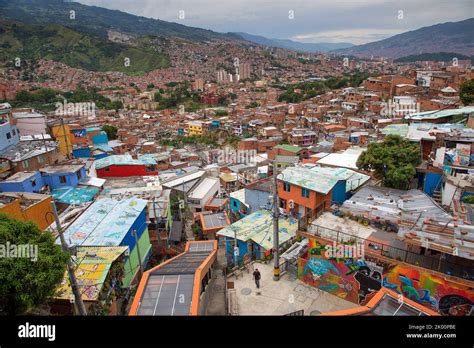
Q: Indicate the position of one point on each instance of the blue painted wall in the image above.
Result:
(140, 226)
(234, 205)
(243, 250)
(101, 155)
(5, 142)
(82, 152)
(52, 180)
(100, 138)
(432, 180)
(339, 192)
(24, 186)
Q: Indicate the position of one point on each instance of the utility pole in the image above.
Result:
(276, 242)
(65, 137)
(70, 266)
(134, 234)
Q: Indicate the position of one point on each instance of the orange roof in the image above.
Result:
(195, 251)
(377, 299)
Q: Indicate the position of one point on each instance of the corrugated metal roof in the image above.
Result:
(308, 179)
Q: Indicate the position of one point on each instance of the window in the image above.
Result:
(107, 169)
(283, 203)
(13, 132)
(40, 159)
(235, 203)
(286, 187)
(79, 175)
(304, 192)
(62, 179)
(9, 136)
(25, 164)
(33, 182)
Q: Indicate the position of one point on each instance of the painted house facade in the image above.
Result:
(124, 166)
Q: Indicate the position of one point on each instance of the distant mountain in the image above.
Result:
(456, 37)
(294, 45)
(78, 50)
(437, 57)
(99, 21)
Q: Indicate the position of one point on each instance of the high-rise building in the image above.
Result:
(244, 71)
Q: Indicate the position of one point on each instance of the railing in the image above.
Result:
(385, 250)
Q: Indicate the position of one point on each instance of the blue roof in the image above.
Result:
(71, 195)
(105, 223)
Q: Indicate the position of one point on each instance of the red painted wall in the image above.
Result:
(123, 171)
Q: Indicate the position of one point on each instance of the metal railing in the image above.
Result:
(404, 255)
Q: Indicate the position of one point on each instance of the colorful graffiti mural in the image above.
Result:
(357, 280)
(352, 279)
(431, 290)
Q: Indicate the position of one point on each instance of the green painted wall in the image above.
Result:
(132, 265)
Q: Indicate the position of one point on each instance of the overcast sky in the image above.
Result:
(355, 21)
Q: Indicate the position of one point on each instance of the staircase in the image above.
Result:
(437, 196)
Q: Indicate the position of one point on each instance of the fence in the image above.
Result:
(425, 261)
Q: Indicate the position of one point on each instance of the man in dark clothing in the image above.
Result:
(256, 276)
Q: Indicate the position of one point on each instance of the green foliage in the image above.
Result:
(44, 99)
(468, 199)
(394, 161)
(25, 284)
(466, 92)
(252, 105)
(314, 88)
(221, 113)
(78, 50)
(111, 131)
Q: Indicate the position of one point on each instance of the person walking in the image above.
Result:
(256, 277)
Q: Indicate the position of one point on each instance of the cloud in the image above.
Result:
(356, 21)
(357, 36)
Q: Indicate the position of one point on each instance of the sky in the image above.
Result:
(354, 21)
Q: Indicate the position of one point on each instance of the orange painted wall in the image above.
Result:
(40, 213)
(314, 200)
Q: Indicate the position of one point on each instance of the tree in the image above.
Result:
(111, 131)
(394, 161)
(466, 92)
(25, 282)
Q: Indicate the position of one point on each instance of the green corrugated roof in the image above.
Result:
(258, 227)
(308, 179)
(290, 148)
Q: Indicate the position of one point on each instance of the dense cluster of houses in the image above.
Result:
(158, 211)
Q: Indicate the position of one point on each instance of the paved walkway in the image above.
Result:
(216, 297)
(282, 297)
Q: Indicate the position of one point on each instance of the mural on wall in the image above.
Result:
(357, 280)
(431, 290)
(352, 279)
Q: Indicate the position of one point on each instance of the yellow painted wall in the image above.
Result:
(58, 133)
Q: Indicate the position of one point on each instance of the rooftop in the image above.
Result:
(122, 160)
(105, 222)
(68, 168)
(258, 227)
(308, 179)
(20, 177)
(290, 148)
(93, 268)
